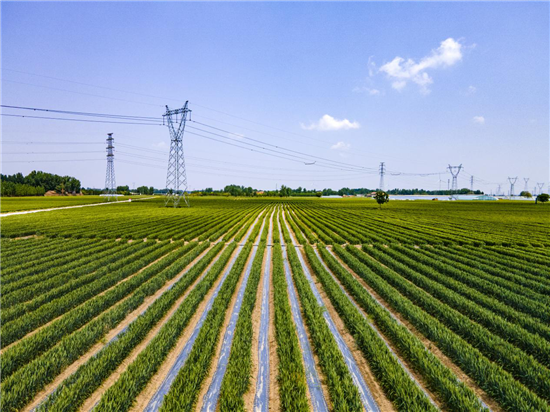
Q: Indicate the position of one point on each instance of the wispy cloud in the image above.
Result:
(341, 146)
(160, 145)
(479, 119)
(368, 90)
(469, 91)
(329, 123)
(400, 71)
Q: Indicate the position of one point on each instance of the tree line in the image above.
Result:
(37, 183)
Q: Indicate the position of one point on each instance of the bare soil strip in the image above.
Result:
(110, 335)
(432, 347)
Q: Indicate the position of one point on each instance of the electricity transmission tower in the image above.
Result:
(110, 183)
(176, 179)
(471, 183)
(526, 180)
(512, 181)
(540, 185)
(382, 171)
(454, 170)
(498, 190)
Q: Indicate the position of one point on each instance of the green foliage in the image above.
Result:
(381, 197)
(543, 197)
(37, 183)
(525, 193)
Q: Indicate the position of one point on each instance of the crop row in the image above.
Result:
(236, 380)
(342, 391)
(490, 376)
(397, 385)
(20, 386)
(78, 387)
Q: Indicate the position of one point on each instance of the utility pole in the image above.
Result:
(176, 178)
(382, 171)
(110, 183)
(512, 181)
(498, 190)
(526, 180)
(448, 184)
(455, 170)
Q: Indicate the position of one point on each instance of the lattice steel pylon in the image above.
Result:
(110, 182)
(176, 178)
(382, 171)
(454, 170)
(526, 180)
(540, 186)
(512, 181)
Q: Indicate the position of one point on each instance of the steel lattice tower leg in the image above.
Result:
(526, 180)
(512, 181)
(176, 178)
(110, 182)
(382, 172)
(455, 170)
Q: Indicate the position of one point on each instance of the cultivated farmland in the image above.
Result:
(277, 304)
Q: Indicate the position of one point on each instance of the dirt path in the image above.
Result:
(432, 347)
(110, 335)
(24, 212)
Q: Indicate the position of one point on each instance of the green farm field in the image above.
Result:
(279, 304)
(15, 204)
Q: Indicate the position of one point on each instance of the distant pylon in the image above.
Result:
(454, 170)
(472, 184)
(176, 178)
(526, 180)
(382, 171)
(512, 181)
(498, 190)
(541, 186)
(110, 182)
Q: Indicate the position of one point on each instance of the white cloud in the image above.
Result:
(479, 119)
(401, 71)
(341, 146)
(327, 123)
(471, 90)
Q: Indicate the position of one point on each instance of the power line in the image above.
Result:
(78, 120)
(117, 116)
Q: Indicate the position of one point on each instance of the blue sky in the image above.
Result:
(416, 85)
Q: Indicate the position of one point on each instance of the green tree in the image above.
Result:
(543, 198)
(381, 198)
(527, 194)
